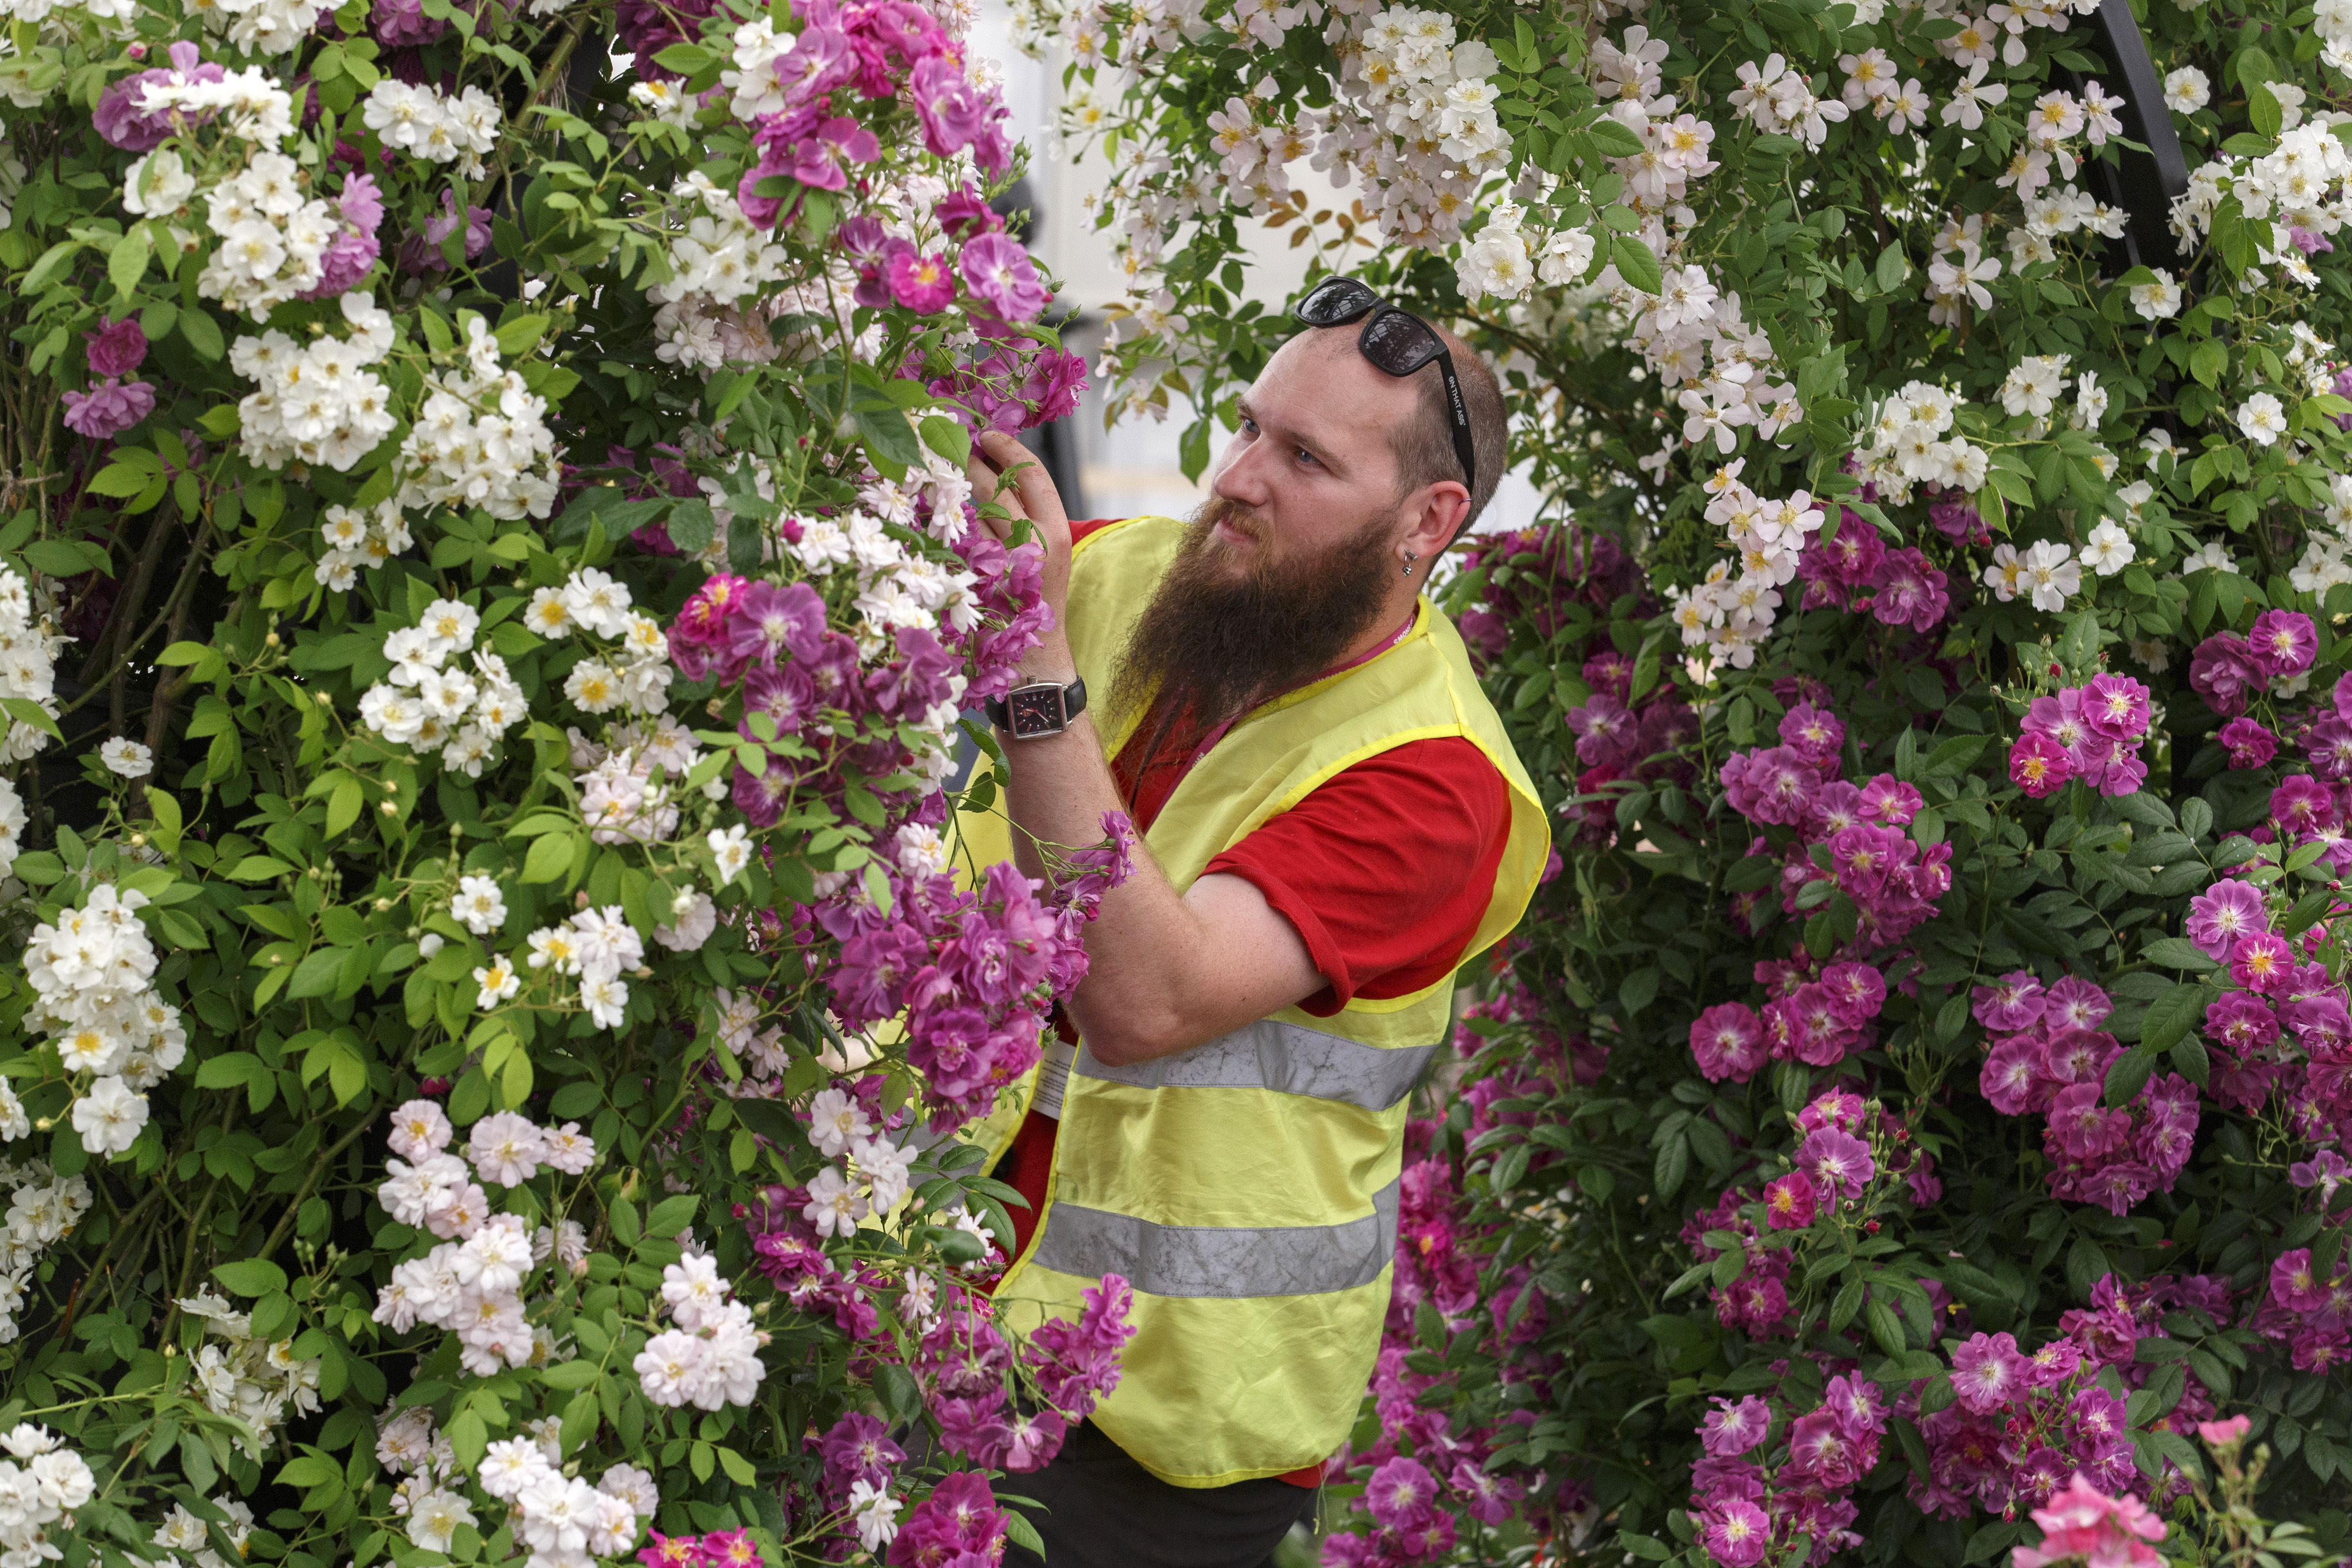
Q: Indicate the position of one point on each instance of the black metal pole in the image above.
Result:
(2144, 184)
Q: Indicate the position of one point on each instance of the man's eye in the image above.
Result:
(1249, 426)
(1304, 455)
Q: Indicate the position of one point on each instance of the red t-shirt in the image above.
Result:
(1364, 868)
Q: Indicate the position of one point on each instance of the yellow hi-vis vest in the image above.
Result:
(1248, 1187)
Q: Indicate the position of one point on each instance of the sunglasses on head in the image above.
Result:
(1396, 341)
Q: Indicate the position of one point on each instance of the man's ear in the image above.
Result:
(1441, 510)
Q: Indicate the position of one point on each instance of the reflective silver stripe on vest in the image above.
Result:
(1226, 1263)
(1287, 1058)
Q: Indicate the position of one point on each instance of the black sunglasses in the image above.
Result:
(1396, 341)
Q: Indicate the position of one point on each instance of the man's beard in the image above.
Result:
(1216, 640)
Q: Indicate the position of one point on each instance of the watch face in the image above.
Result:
(1035, 711)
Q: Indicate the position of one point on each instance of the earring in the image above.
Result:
(1409, 558)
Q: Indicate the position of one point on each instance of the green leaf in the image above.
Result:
(344, 803)
(2079, 644)
(315, 975)
(672, 1215)
(691, 526)
(127, 264)
(2189, 1060)
(2178, 952)
(1614, 141)
(1673, 1165)
(889, 438)
(946, 437)
(2129, 1073)
(1634, 261)
(570, 1375)
(233, 1071)
(251, 1276)
(1022, 1533)
(203, 334)
(24, 710)
(2172, 1016)
(550, 857)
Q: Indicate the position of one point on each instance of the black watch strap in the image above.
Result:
(1034, 718)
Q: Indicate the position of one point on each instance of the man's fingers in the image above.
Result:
(1030, 480)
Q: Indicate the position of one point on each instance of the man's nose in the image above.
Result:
(1243, 479)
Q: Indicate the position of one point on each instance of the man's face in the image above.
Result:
(1311, 469)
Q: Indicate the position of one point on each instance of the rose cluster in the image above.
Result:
(1434, 1462)
(562, 1521)
(2279, 993)
(2023, 1422)
(29, 646)
(115, 1036)
(1848, 1154)
(1756, 1490)
(428, 702)
(1852, 569)
(323, 402)
(2048, 1057)
(710, 1357)
(1891, 881)
(2092, 732)
(963, 1361)
(472, 1283)
(2312, 1313)
(714, 1549)
(1816, 1019)
(43, 1208)
(42, 1481)
(253, 1380)
(1616, 741)
(971, 973)
(2275, 655)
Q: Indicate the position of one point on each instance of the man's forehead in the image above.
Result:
(1317, 387)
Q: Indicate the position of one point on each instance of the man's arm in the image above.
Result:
(1164, 973)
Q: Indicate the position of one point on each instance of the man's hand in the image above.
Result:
(1004, 471)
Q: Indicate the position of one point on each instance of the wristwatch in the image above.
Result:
(1034, 712)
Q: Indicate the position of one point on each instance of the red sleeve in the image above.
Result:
(1387, 869)
(1079, 530)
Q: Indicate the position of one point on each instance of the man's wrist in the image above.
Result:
(1050, 661)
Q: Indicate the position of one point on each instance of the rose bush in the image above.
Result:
(487, 579)
(1925, 1078)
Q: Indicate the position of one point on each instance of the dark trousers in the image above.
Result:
(1102, 1510)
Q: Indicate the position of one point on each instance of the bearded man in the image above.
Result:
(1335, 823)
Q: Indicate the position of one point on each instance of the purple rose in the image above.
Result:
(1838, 1162)
(1909, 591)
(2248, 743)
(421, 253)
(965, 213)
(2281, 642)
(109, 408)
(2224, 673)
(342, 264)
(2116, 706)
(1053, 384)
(2222, 913)
(361, 204)
(998, 271)
(116, 347)
(923, 284)
(120, 118)
(402, 24)
(2014, 1002)
(951, 113)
